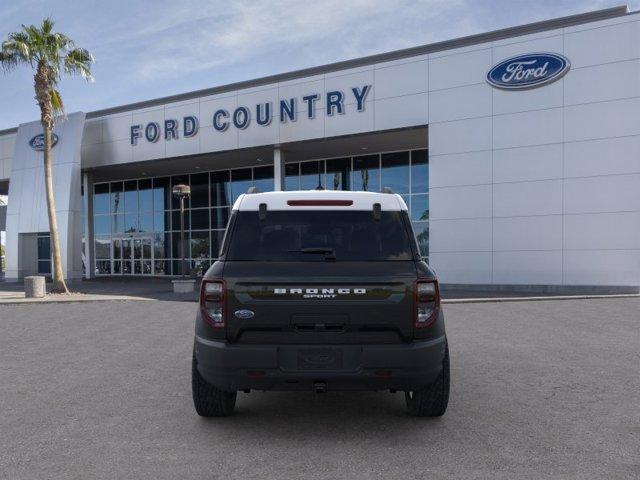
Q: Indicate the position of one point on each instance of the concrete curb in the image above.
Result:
(537, 299)
(71, 299)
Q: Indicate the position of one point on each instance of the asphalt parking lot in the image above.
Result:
(546, 389)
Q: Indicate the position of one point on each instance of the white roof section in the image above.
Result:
(359, 200)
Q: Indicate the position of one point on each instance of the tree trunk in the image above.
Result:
(43, 97)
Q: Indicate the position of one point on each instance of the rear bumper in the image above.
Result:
(339, 367)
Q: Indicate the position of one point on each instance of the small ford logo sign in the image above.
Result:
(244, 314)
(528, 71)
(37, 142)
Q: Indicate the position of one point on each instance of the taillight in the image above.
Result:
(212, 299)
(427, 302)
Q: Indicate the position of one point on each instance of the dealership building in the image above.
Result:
(516, 151)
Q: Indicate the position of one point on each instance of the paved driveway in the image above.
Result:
(102, 390)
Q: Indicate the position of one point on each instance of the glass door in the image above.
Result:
(142, 256)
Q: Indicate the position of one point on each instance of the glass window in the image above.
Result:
(44, 247)
(161, 221)
(146, 222)
(116, 197)
(420, 207)
(200, 219)
(179, 180)
(126, 248)
(101, 198)
(240, 181)
(131, 222)
(131, 196)
(162, 267)
(177, 267)
(103, 267)
(117, 268)
(103, 247)
(421, 229)
(339, 174)
(160, 243)
(311, 173)
(366, 173)
(420, 171)
(263, 178)
(175, 220)
(299, 236)
(145, 195)
(220, 189)
(102, 224)
(161, 194)
(200, 245)
(395, 171)
(200, 190)
(117, 249)
(117, 223)
(219, 217)
(292, 176)
(44, 267)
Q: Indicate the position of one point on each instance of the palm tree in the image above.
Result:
(49, 54)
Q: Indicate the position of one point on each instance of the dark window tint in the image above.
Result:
(220, 192)
(263, 178)
(395, 171)
(366, 173)
(200, 190)
(419, 171)
(292, 176)
(101, 198)
(311, 174)
(161, 194)
(240, 181)
(339, 174)
(352, 235)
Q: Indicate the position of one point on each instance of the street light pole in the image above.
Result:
(182, 192)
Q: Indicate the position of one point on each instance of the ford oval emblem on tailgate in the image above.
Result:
(244, 314)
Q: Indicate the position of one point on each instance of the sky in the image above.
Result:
(149, 49)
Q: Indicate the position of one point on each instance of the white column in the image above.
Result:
(278, 169)
(87, 204)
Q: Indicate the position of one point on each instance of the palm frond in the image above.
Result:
(78, 61)
(56, 102)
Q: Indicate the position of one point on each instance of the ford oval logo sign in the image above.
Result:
(528, 71)
(244, 314)
(37, 142)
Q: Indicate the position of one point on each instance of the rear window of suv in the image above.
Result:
(307, 235)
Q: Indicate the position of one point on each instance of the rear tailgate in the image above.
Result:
(319, 302)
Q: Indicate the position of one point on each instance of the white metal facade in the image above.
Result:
(532, 187)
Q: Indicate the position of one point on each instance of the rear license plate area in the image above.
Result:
(320, 359)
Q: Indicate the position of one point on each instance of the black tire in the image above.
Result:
(209, 400)
(432, 400)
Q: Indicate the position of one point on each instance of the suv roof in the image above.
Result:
(319, 200)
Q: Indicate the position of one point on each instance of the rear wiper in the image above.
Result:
(329, 253)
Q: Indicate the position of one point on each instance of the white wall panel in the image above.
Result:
(599, 83)
(601, 120)
(116, 127)
(345, 82)
(528, 128)
(527, 198)
(402, 79)
(613, 193)
(601, 267)
(603, 45)
(540, 162)
(531, 268)
(507, 101)
(465, 235)
(459, 69)
(549, 41)
(351, 121)
(459, 103)
(460, 136)
(602, 231)
(602, 157)
(462, 267)
(542, 232)
(302, 129)
(397, 112)
(460, 202)
(471, 168)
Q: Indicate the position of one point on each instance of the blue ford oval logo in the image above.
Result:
(244, 314)
(528, 71)
(37, 142)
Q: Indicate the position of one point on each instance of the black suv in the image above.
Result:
(320, 290)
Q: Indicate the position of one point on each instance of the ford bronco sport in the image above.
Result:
(320, 290)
